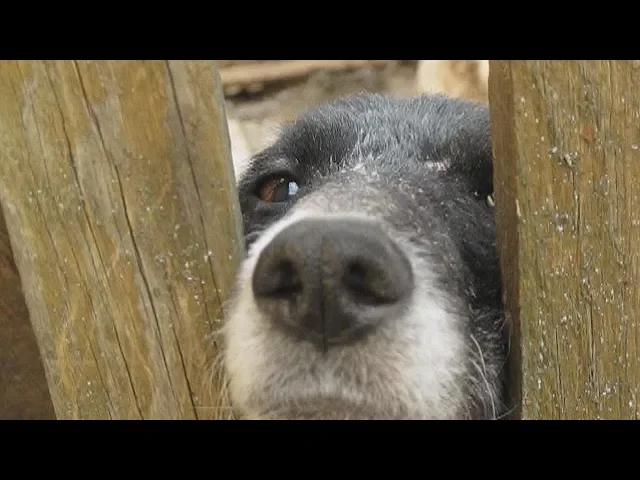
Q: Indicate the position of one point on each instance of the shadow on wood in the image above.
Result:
(23, 393)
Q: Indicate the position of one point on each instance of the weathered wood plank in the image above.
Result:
(567, 173)
(117, 188)
(270, 70)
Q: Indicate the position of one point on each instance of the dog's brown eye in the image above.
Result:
(277, 189)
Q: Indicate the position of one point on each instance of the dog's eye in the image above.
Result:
(277, 189)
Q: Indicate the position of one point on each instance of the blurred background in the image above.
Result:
(261, 94)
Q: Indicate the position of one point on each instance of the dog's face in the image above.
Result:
(371, 286)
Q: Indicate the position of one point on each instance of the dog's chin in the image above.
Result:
(323, 409)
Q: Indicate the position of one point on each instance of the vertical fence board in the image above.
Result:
(117, 188)
(566, 141)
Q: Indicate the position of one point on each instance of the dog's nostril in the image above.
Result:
(286, 281)
(280, 281)
(355, 276)
(362, 285)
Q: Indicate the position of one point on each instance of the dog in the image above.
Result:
(371, 287)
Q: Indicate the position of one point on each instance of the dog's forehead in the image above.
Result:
(407, 137)
(365, 123)
(382, 129)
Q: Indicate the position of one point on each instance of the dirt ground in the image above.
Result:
(253, 118)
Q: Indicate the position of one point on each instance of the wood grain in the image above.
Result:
(567, 174)
(117, 188)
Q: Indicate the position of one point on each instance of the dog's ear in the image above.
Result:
(459, 132)
(476, 165)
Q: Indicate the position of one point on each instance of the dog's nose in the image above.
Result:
(329, 281)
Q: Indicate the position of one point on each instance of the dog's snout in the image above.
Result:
(331, 280)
